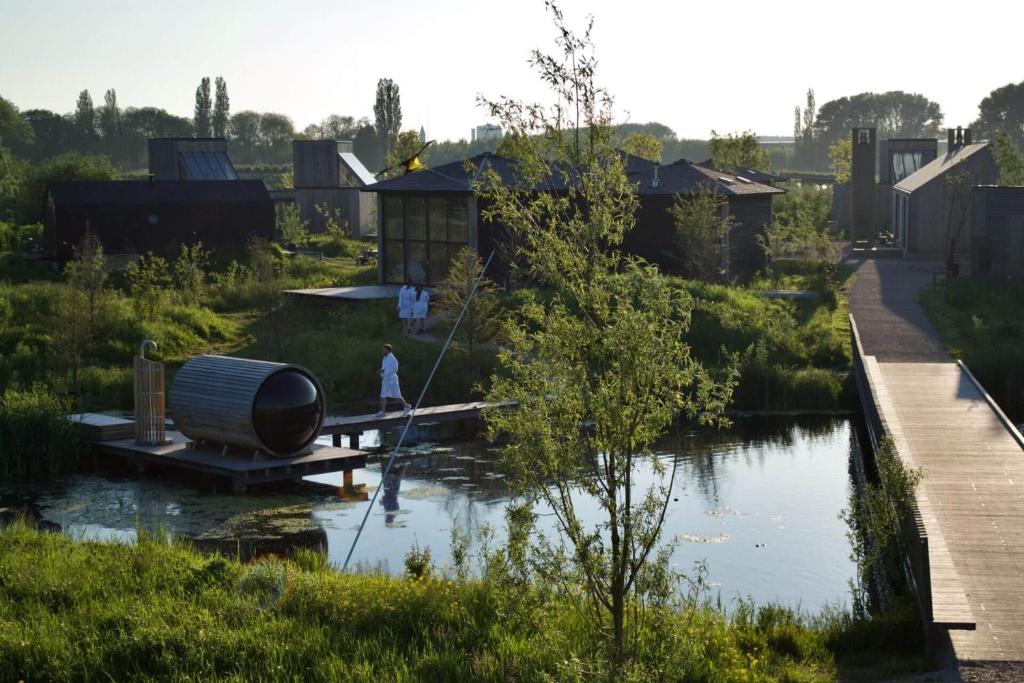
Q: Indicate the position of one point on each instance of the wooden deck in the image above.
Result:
(363, 293)
(971, 500)
(242, 470)
(355, 425)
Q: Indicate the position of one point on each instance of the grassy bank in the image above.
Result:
(980, 323)
(99, 611)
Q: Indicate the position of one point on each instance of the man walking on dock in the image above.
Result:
(389, 381)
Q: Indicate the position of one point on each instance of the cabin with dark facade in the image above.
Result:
(425, 217)
(136, 216)
(921, 201)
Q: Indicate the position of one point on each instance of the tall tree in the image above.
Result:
(643, 145)
(810, 111)
(798, 134)
(387, 114)
(110, 125)
(85, 122)
(1003, 109)
(221, 109)
(276, 134)
(701, 235)
(51, 132)
(245, 132)
(600, 371)
(201, 118)
(742, 150)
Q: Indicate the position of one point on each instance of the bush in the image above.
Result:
(37, 441)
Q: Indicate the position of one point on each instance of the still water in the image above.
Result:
(758, 503)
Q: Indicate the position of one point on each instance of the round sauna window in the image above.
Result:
(286, 411)
(153, 219)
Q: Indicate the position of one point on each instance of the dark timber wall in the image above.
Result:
(997, 231)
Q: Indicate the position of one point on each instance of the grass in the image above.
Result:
(980, 322)
(156, 610)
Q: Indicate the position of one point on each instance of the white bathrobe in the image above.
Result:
(405, 296)
(389, 377)
(419, 307)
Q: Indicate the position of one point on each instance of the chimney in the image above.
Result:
(967, 136)
(950, 139)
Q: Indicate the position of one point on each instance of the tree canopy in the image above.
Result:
(1002, 109)
(742, 150)
(896, 114)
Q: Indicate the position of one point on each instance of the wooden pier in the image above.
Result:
(354, 426)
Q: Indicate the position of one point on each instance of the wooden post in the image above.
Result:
(336, 440)
(353, 441)
(149, 400)
(347, 479)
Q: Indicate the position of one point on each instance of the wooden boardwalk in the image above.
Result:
(971, 497)
(971, 500)
(354, 426)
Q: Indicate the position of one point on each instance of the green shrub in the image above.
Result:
(37, 440)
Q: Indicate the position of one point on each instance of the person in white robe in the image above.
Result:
(389, 388)
(420, 309)
(405, 300)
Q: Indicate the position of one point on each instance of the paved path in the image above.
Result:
(972, 495)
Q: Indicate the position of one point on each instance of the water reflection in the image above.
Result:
(758, 502)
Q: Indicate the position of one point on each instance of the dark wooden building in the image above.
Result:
(328, 174)
(139, 216)
(425, 217)
(193, 159)
(921, 201)
(997, 231)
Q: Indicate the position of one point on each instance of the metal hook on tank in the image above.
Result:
(142, 347)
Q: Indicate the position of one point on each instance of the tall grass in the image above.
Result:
(36, 439)
(980, 322)
(155, 610)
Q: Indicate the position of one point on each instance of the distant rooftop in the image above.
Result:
(937, 167)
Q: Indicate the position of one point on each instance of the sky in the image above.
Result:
(694, 66)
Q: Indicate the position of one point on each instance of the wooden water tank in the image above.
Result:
(274, 407)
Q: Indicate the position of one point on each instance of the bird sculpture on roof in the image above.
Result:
(411, 164)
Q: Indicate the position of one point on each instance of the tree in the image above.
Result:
(201, 119)
(150, 122)
(365, 145)
(52, 134)
(798, 134)
(895, 114)
(190, 272)
(1003, 109)
(809, 113)
(599, 372)
(245, 132)
(12, 175)
(336, 127)
(643, 145)
(87, 273)
(78, 303)
(221, 109)
(840, 153)
(1008, 159)
(956, 194)
(276, 134)
(387, 114)
(110, 124)
(480, 322)
(293, 228)
(702, 231)
(14, 129)
(733, 152)
(70, 166)
(85, 122)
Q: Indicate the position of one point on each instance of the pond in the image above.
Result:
(758, 503)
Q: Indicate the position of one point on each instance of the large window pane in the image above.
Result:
(458, 221)
(393, 220)
(416, 255)
(438, 262)
(394, 261)
(416, 218)
(438, 219)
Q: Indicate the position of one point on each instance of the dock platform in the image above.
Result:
(355, 425)
(241, 470)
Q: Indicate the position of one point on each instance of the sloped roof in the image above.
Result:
(681, 176)
(156, 192)
(938, 167)
(687, 177)
(356, 167)
(206, 165)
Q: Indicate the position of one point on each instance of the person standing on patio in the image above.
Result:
(389, 382)
(405, 300)
(420, 308)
